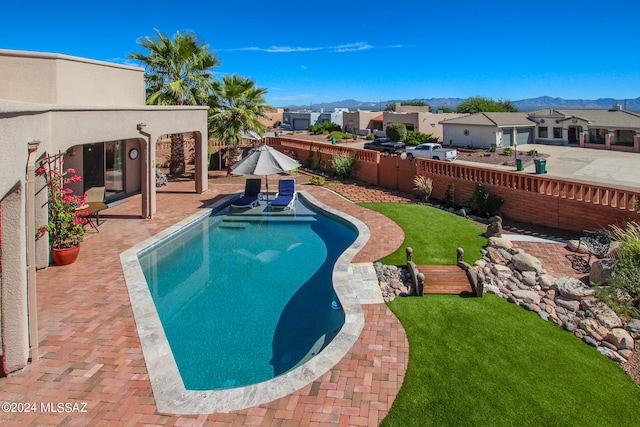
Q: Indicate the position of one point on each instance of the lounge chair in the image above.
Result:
(251, 195)
(287, 194)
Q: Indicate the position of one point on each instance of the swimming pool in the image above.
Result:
(291, 370)
(253, 290)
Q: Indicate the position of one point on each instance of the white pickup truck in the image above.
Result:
(431, 150)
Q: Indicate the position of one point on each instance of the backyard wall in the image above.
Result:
(534, 199)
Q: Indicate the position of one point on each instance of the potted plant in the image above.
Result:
(66, 217)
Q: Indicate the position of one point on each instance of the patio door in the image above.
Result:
(114, 168)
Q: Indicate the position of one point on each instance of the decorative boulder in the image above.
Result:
(601, 271)
(525, 262)
(621, 339)
(634, 328)
(500, 243)
(494, 229)
(572, 288)
(569, 304)
(577, 246)
(527, 296)
(606, 316)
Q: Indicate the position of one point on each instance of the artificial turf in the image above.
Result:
(433, 234)
(486, 362)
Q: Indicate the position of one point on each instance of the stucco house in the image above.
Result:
(301, 120)
(94, 114)
(418, 121)
(485, 130)
(613, 129)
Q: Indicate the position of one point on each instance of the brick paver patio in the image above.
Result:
(90, 351)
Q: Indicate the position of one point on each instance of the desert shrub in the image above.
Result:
(371, 137)
(317, 180)
(276, 124)
(448, 196)
(484, 203)
(417, 138)
(344, 165)
(326, 127)
(492, 149)
(624, 294)
(507, 151)
(397, 132)
(337, 135)
(424, 187)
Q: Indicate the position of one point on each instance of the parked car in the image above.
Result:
(431, 150)
(385, 145)
(285, 126)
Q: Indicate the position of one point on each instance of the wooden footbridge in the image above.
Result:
(460, 279)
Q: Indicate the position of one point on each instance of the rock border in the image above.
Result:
(510, 273)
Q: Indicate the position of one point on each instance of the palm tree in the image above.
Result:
(235, 109)
(178, 72)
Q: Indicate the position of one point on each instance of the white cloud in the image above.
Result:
(273, 49)
(288, 49)
(304, 67)
(351, 47)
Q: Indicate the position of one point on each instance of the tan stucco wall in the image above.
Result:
(47, 78)
(61, 102)
(360, 120)
(273, 115)
(430, 123)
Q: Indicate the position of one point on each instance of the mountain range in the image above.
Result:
(529, 104)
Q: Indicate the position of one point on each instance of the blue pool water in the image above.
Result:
(245, 298)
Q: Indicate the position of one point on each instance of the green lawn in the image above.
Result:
(486, 362)
(434, 234)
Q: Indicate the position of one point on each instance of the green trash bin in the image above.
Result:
(277, 133)
(520, 163)
(541, 165)
(333, 140)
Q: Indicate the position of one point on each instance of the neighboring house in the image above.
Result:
(486, 130)
(360, 122)
(419, 121)
(95, 113)
(301, 120)
(273, 115)
(613, 129)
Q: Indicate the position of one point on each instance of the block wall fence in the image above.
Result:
(534, 199)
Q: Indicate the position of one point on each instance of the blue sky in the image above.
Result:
(311, 52)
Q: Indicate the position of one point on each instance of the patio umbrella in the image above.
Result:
(264, 161)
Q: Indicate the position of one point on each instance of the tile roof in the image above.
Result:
(596, 118)
(492, 119)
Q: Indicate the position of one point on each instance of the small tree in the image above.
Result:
(397, 132)
(479, 104)
(417, 138)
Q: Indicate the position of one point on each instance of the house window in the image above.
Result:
(557, 133)
(543, 132)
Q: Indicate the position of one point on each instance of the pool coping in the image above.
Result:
(170, 395)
